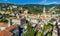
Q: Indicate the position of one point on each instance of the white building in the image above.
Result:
(19, 21)
(34, 21)
(14, 6)
(3, 26)
(55, 33)
(2, 12)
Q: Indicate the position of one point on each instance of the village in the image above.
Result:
(14, 23)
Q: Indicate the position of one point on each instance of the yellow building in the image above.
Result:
(8, 12)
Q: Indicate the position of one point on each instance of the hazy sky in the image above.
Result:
(30, 1)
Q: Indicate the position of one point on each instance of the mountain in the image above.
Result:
(33, 8)
(31, 5)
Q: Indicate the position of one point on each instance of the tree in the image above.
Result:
(30, 30)
(39, 34)
(52, 20)
(4, 20)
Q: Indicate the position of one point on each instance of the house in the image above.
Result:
(20, 8)
(14, 6)
(33, 18)
(3, 26)
(26, 12)
(13, 29)
(8, 12)
(3, 9)
(2, 12)
(39, 28)
(45, 19)
(18, 21)
(54, 33)
(5, 33)
(34, 21)
(6, 30)
(41, 24)
(12, 14)
(59, 22)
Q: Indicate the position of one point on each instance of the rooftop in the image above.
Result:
(3, 25)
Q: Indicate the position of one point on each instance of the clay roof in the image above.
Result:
(11, 27)
(5, 33)
(3, 25)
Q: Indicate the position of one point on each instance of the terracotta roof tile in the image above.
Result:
(5, 33)
(3, 24)
(11, 27)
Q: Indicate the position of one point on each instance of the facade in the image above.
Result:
(18, 21)
(58, 27)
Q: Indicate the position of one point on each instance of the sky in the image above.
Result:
(30, 1)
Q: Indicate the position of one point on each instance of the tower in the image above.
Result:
(44, 12)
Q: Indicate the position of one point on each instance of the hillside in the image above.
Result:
(33, 8)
